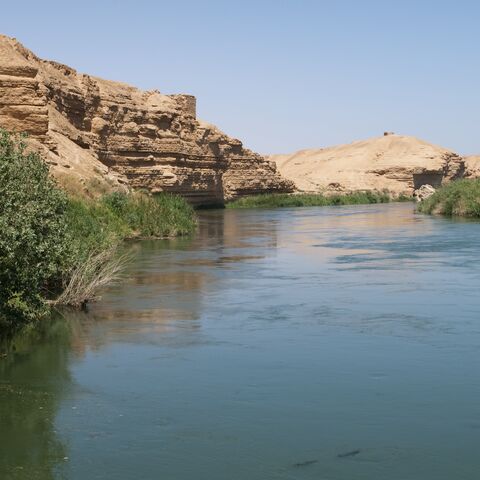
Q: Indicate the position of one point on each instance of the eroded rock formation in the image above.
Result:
(396, 163)
(98, 134)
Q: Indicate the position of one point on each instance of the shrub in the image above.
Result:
(461, 197)
(33, 232)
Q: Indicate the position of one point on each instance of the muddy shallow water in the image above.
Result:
(311, 343)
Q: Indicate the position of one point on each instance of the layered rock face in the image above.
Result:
(396, 163)
(98, 134)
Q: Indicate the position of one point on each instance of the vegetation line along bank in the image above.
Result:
(314, 200)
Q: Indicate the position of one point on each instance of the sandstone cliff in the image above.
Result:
(98, 134)
(399, 164)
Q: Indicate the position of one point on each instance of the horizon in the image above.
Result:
(389, 68)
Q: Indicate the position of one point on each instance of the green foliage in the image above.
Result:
(47, 240)
(33, 232)
(96, 225)
(459, 198)
(313, 200)
(92, 227)
(160, 215)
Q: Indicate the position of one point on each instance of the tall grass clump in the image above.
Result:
(97, 227)
(92, 226)
(313, 200)
(159, 215)
(458, 198)
(84, 280)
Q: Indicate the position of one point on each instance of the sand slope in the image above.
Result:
(472, 166)
(394, 162)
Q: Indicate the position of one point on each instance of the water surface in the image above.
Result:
(312, 343)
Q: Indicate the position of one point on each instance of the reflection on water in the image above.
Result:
(33, 379)
(332, 343)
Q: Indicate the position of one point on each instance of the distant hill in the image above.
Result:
(397, 163)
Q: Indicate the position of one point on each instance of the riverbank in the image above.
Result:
(314, 200)
(60, 250)
(459, 198)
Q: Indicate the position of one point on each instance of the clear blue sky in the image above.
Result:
(281, 75)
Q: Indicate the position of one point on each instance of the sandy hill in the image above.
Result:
(99, 135)
(472, 166)
(397, 163)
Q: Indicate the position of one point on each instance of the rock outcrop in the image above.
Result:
(424, 192)
(396, 163)
(98, 134)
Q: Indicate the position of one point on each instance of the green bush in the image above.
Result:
(33, 232)
(313, 200)
(54, 248)
(461, 197)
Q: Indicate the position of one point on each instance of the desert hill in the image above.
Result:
(397, 163)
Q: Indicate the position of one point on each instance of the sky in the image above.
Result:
(280, 75)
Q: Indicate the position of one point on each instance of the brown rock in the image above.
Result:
(104, 134)
(424, 192)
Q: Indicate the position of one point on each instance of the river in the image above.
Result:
(311, 343)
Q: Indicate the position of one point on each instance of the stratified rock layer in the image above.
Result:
(396, 163)
(98, 134)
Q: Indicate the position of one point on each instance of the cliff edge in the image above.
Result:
(99, 135)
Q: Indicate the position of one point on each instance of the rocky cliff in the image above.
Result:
(98, 134)
(396, 163)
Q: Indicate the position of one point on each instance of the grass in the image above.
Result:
(146, 216)
(458, 198)
(313, 200)
(85, 279)
(97, 227)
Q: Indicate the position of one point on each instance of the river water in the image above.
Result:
(311, 343)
